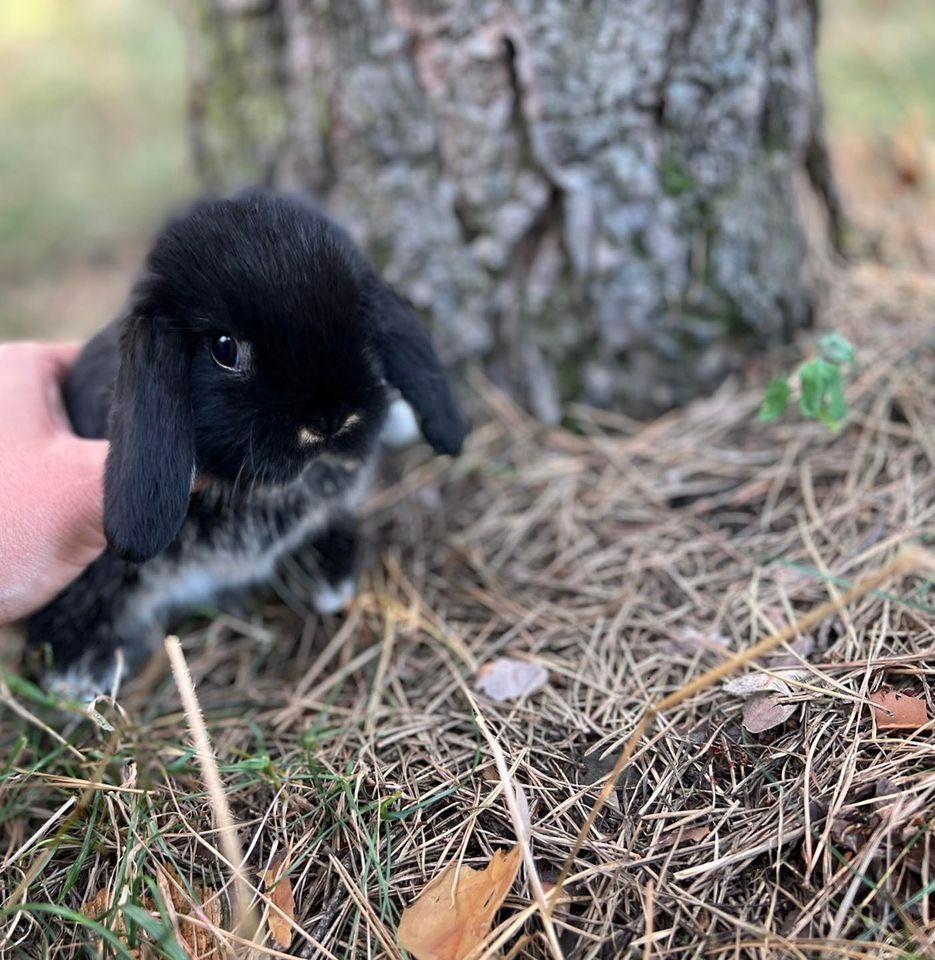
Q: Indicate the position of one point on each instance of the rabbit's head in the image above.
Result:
(258, 340)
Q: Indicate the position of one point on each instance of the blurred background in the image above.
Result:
(93, 144)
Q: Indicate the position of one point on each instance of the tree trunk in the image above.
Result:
(596, 198)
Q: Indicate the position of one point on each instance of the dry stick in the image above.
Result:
(521, 829)
(243, 915)
(650, 917)
(911, 560)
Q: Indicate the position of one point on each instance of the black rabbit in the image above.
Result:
(243, 393)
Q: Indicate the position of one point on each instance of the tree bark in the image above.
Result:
(595, 198)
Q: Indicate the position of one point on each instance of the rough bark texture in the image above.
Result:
(596, 197)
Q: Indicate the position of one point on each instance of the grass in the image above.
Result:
(627, 562)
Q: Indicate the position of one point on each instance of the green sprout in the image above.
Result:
(821, 386)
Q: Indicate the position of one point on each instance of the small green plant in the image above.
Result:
(821, 385)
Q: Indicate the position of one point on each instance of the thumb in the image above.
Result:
(80, 495)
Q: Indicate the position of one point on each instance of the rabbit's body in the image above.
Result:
(229, 463)
(246, 538)
(231, 543)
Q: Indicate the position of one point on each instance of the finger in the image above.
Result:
(56, 528)
(61, 356)
(81, 494)
(58, 360)
(30, 386)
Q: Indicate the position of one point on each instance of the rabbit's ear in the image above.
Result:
(148, 479)
(412, 366)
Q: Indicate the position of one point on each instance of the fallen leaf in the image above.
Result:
(278, 886)
(211, 907)
(893, 710)
(790, 577)
(851, 834)
(752, 683)
(203, 944)
(804, 646)
(171, 895)
(200, 943)
(751, 491)
(509, 679)
(691, 640)
(453, 914)
(683, 836)
(765, 712)
(97, 906)
(695, 834)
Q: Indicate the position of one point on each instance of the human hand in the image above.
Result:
(51, 482)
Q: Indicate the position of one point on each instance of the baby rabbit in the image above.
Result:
(243, 393)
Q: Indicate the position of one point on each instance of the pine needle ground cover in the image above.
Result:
(358, 759)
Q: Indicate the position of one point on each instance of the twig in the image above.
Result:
(243, 914)
(522, 829)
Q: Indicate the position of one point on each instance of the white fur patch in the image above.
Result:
(78, 683)
(329, 599)
(401, 427)
(192, 587)
(204, 574)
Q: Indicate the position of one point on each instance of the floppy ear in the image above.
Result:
(412, 366)
(148, 478)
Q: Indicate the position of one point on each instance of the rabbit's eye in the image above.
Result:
(226, 352)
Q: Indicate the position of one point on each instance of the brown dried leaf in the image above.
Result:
(695, 834)
(684, 836)
(279, 889)
(167, 879)
(893, 710)
(765, 712)
(453, 914)
(509, 679)
(802, 649)
(200, 943)
(97, 906)
(852, 834)
(211, 907)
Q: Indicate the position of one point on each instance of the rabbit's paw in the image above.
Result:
(88, 678)
(332, 598)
